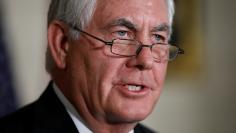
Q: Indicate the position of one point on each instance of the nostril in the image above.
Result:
(140, 67)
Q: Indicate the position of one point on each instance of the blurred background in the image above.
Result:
(200, 90)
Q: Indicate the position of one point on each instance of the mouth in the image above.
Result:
(134, 90)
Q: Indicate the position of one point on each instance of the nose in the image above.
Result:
(143, 60)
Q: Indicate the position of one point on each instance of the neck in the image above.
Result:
(99, 124)
(105, 127)
(90, 119)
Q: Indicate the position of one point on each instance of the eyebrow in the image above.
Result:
(162, 27)
(127, 23)
(123, 22)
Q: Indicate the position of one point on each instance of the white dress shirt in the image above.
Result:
(78, 121)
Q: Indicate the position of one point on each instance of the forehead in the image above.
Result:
(139, 12)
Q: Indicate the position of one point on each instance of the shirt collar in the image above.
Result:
(78, 121)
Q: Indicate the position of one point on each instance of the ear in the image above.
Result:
(58, 42)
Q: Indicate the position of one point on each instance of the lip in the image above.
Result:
(123, 88)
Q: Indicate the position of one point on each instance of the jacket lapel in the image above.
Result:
(51, 116)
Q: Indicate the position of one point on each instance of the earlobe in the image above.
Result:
(58, 43)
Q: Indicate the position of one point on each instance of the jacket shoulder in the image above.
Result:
(19, 120)
(140, 128)
(46, 115)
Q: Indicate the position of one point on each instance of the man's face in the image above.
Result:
(113, 88)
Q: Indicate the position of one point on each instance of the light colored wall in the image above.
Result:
(220, 95)
(205, 104)
(26, 27)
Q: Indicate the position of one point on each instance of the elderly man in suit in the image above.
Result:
(107, 60)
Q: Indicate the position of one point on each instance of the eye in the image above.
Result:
(159, 38)
(121, 33)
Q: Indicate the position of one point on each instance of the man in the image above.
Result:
(107, 60)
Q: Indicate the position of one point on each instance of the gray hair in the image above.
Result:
(75, 12)
(78, 13)
(171, 10)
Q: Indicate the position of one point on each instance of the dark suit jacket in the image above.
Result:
(46, 115)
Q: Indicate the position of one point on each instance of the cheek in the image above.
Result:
(109, 72)
(159, 72)
(101, 72)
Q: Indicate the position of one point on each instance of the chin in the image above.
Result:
(129, 115)
(129, 107)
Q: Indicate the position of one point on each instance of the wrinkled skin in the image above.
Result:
(96, 82)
